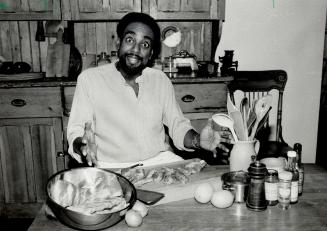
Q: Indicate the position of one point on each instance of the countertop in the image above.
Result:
(308, 214)
(53, 82)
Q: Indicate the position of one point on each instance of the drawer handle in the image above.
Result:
(18, 102)
(188, 98)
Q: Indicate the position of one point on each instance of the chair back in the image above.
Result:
(255, 84)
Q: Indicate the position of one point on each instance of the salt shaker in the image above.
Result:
(256, 200)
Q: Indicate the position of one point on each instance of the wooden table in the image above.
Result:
(310, 213)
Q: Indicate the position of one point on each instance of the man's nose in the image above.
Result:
(136, 48)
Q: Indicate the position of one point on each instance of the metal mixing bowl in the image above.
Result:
(81, 221)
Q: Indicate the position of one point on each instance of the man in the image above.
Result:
(120, 109)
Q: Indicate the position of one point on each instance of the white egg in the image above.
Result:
(133, 218)
(222, 199)
(203, 193)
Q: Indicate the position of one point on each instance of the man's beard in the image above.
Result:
(130, 71)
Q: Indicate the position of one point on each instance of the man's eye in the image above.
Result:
(146, 45)
(129, 40)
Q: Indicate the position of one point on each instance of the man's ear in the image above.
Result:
(117, 44)
(150, 57)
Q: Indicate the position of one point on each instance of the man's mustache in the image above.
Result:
(134, 56)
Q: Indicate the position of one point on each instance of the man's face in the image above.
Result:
(135, 48)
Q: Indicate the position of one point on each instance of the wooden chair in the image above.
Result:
(255, 84)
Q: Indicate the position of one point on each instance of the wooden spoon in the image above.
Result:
(261, 107)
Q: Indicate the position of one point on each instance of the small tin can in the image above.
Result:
(271, 187)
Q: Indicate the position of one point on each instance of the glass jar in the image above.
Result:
(284, 190)
(271, 187)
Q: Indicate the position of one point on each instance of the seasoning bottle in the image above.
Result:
(284, 189)
(291, 162)
(103, 59)
(113, 56)
(271, 187)
(298, 149)
(256, 200)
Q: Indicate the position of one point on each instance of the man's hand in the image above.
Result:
(211, 139)
(85, 146)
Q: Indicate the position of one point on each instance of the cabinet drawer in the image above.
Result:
(201, 97)
(30, 102)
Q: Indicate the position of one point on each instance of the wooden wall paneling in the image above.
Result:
(24, 37)
(207, 55)
(35, 48)
(80, 37)
(90, 6)
(5, 41)
(15, 42)
(66, 13)
(24, 4)
(91, 46)
(111, 36)
(101, 37)
(145, 7)
(74, 9)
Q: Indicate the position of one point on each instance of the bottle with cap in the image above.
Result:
(298, 149)
(291, 162)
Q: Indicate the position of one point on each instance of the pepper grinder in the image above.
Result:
(256, 200)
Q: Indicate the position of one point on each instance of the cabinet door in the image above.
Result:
(30, 10)
(101, 9)
(187, 9)
(28, 149)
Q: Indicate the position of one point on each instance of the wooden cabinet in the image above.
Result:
(158, 9)
(30, 10)
(187, 9)
(199, 101)
(30, 138)
(99, 10)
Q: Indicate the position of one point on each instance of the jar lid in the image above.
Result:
(236, 177)
(285, 175)
(257, 168)
(291, 154)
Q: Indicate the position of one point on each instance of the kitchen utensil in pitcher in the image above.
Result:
(261, 107)
(230, 105)
(225, 121)
(239, 125)
(244, 109)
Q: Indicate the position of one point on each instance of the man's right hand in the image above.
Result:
(85, 146)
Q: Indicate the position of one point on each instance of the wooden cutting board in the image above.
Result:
(57, 63)
(178, 191)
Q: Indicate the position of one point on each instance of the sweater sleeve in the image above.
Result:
(81, 112)
(173, 117)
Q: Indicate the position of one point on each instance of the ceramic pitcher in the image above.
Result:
(241, 154)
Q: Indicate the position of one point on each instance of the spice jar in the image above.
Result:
(284, 190)
(256, 200)
(271, 187)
